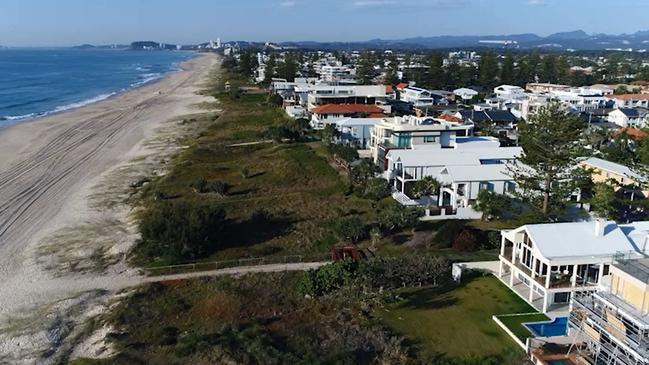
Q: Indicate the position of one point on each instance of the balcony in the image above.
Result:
(610, 331)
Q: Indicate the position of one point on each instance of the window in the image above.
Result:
(561, 297)
(510, 186)
(430, 139)
(485, 185)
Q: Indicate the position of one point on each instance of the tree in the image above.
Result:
(584, 182)
(288, 69)
(329, 133)
(604, 202)
(435, 77)
(247, 62)
(362, 172)
(507, 72)
(453, 76)
(549, 69)
(492, 204)
(391, 76)
(395, 216)
(365, 69)
(551, 148)
(350, 229)
(426, 187)
(488, 70)
(271, 65)
(642, 150)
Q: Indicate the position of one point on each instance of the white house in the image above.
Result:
(322, 115)
(336, 94)
(469, 165)
(465, 93)
(631, 100)
(408, 132)
(629, 117)
(356, 132)
(418, 97)
(509, 92)
(546, 263)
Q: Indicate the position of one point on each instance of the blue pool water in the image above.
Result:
(37, 82)
(558, 327)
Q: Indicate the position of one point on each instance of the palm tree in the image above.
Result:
(426, 187)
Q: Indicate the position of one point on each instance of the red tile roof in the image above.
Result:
(450, 118)
(402, 85)
(631, 96)
(634, 133)
(346, 109)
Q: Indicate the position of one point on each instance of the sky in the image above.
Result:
(73, 22)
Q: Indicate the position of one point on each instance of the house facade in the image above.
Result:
(322, 115)
(463, 168)
(631, 100)
(546, 264)
(629, 117)
(409, 131)
(336, 94)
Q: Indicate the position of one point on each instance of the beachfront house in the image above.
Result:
(355, 132)
(345, 94)
(463, 168)
(546, 264)
(409, 131)
(322, 115)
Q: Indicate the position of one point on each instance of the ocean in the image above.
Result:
(38, 82)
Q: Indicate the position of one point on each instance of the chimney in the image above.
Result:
(600, 223)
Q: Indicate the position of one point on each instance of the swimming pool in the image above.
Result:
(557, 327)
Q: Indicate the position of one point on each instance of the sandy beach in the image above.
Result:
(49, 166)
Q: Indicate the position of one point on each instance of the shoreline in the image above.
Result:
(10, 121)
(62, 179)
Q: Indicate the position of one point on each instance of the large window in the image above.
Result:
(430, 139)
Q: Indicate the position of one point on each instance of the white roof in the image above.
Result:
(613, 167)
(463, 173)
(578, 239)
(351, 122)
(452, 157)
(465, 91)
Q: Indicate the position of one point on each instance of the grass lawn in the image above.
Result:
(457, 320)
(515, 323)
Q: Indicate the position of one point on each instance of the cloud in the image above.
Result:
(287, 4)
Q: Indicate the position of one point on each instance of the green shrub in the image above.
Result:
(203, 186)
(350, 229)
(466, 241)
(447, 233)
(493, 240)
(376, 274)
(343, 152)
(180, 230)
(376, 189)
(394, 217)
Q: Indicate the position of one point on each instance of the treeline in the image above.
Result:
(430, 70)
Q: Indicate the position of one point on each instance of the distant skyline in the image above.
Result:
(73, 22)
